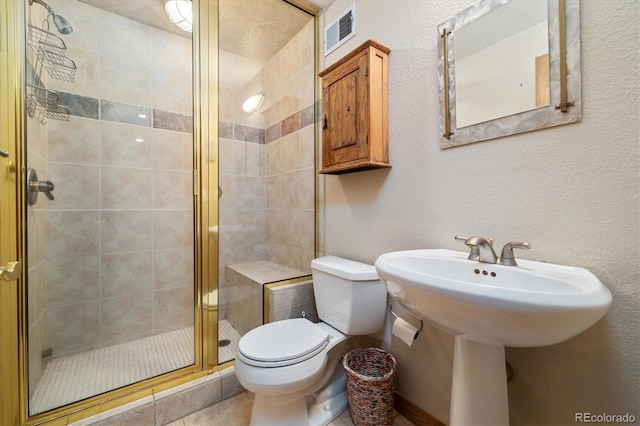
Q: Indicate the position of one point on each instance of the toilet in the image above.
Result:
(293, 366)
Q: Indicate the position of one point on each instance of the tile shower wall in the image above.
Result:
(119, 244)
(267, 174)
(290, 141)
(247, 283)
(291, 300)
(242, 208)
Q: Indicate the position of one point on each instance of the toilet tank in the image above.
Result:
(349, 295)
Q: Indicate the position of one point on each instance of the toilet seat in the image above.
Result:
(282, 343)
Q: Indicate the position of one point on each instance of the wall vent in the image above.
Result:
(340, 30)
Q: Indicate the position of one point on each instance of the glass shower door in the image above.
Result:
(267, 160)
(110, 224)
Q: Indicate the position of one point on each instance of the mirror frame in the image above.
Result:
(564, 77)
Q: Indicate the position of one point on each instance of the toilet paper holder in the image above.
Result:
(396, 316)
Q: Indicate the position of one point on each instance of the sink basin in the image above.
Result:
(532, 304)
(487, 307)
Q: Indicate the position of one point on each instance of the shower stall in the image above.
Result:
(151, 233)
(110, 284)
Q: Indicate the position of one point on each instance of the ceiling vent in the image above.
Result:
(340, 30)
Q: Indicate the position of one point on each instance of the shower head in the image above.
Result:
(61, 24)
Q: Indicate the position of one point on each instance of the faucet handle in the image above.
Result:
(474, 254)
(507, 257)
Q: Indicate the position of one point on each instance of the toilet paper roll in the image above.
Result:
(405, 331)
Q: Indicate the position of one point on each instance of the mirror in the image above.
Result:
(507, 67)
(501, 58)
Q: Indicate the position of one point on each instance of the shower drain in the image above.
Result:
(223, 342)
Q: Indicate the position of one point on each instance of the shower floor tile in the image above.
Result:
(75, 377)
(226, 331)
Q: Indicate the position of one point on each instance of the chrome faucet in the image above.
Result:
(481, 249)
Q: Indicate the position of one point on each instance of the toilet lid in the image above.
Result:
(283, 342)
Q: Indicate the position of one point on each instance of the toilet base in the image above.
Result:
(270, 411)
(317, 409)
(325, 413)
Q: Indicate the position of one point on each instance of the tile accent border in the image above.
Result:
(248, 134)
(293, 123)
(225, 130)
(102, 109)
(123, 113)
(171, 121)
(80, 106)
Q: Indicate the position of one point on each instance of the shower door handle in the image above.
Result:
(11, 272)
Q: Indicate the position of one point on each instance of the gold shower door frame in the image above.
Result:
(11, 132)
(13, 303)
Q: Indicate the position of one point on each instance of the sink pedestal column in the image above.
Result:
(479, 384)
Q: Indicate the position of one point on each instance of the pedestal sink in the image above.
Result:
(487, 307)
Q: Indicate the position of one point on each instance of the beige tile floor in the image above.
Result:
(236, 411)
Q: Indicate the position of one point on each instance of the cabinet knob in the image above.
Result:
(325, 124)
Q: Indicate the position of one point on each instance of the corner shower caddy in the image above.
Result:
(50, 52)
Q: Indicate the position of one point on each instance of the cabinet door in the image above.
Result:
(345, 118)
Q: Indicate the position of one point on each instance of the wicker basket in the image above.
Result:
(370, 373)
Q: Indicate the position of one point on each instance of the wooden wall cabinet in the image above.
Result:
(355, 111)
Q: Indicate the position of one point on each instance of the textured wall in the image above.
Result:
(571, 191)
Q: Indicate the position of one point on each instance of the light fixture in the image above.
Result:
(253, 103)
(180, 13)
